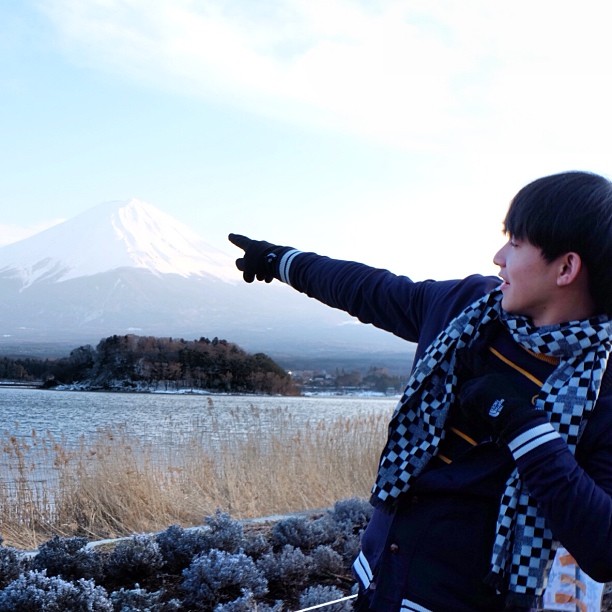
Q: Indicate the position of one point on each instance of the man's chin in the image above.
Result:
(506, 304)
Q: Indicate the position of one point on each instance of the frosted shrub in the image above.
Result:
(221, 577)
(134, 560)
(11, 565)
(303, 532)
(256, 546)
(348, 547)
(353, 513)
(225, 532)
(247, 603)
(140, 600)
(34, 591)
(68, 558)
(316, 595)
(286, 571)
(327, 561)
(350, 518)
(218, 567)
(179, 546)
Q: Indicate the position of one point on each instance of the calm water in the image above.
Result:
(72, 414)
(162, 419)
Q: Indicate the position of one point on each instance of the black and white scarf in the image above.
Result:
(524, 546)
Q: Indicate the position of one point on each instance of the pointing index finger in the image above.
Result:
(240, 241)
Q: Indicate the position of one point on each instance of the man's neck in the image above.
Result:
(576, 305)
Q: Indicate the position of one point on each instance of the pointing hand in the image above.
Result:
(259, 260)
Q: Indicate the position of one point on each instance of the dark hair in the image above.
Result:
(571, 211)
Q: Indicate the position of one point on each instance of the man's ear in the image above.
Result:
(570, 267)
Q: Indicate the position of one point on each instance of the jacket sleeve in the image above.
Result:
(574, 493)
(414, 311)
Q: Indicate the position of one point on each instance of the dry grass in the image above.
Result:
(117, 484)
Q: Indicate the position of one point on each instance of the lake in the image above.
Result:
(72, 414)
(34, 418)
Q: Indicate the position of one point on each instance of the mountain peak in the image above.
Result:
(111, 235)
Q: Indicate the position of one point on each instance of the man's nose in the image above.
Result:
(499, 259)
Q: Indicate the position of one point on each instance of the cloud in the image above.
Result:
(414, 74)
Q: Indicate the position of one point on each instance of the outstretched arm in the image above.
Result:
(414, 311)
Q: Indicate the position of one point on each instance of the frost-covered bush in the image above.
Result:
(348, 547)
(221, 577)
(179, 546)
(303, 532)
(349, 517)
(247, 603)
(140, 600)
(68, 558)
(11, 565)
(286, 571)
(326, 561)
(256, 545)
(223, 567)
(353, 513)
(134, 560)
(315, 595)
(225, 533)
(34, 591)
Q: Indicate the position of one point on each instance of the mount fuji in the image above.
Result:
(127, 267)
(113, 235)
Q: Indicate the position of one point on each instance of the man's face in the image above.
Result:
(529, 281)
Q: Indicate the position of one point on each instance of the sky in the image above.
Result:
(392, 132)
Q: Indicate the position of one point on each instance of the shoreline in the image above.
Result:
(21, 385)
(365, 393)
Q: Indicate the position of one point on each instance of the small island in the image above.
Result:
(147, 364)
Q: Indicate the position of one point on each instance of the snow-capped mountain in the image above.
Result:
(113, 235)
(127, 267)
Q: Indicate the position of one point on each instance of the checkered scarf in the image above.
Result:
(524, 546)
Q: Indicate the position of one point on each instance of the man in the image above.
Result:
(501, 445)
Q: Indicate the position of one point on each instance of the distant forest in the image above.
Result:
(133, 362)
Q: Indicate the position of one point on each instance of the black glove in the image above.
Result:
(260, 258)
(503, 406)
(473, 360)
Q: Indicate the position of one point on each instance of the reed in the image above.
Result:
(248, 463)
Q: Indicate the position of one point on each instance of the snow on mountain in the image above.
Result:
(127, 267)
(119, 234)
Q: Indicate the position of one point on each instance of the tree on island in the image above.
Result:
(148, 362)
